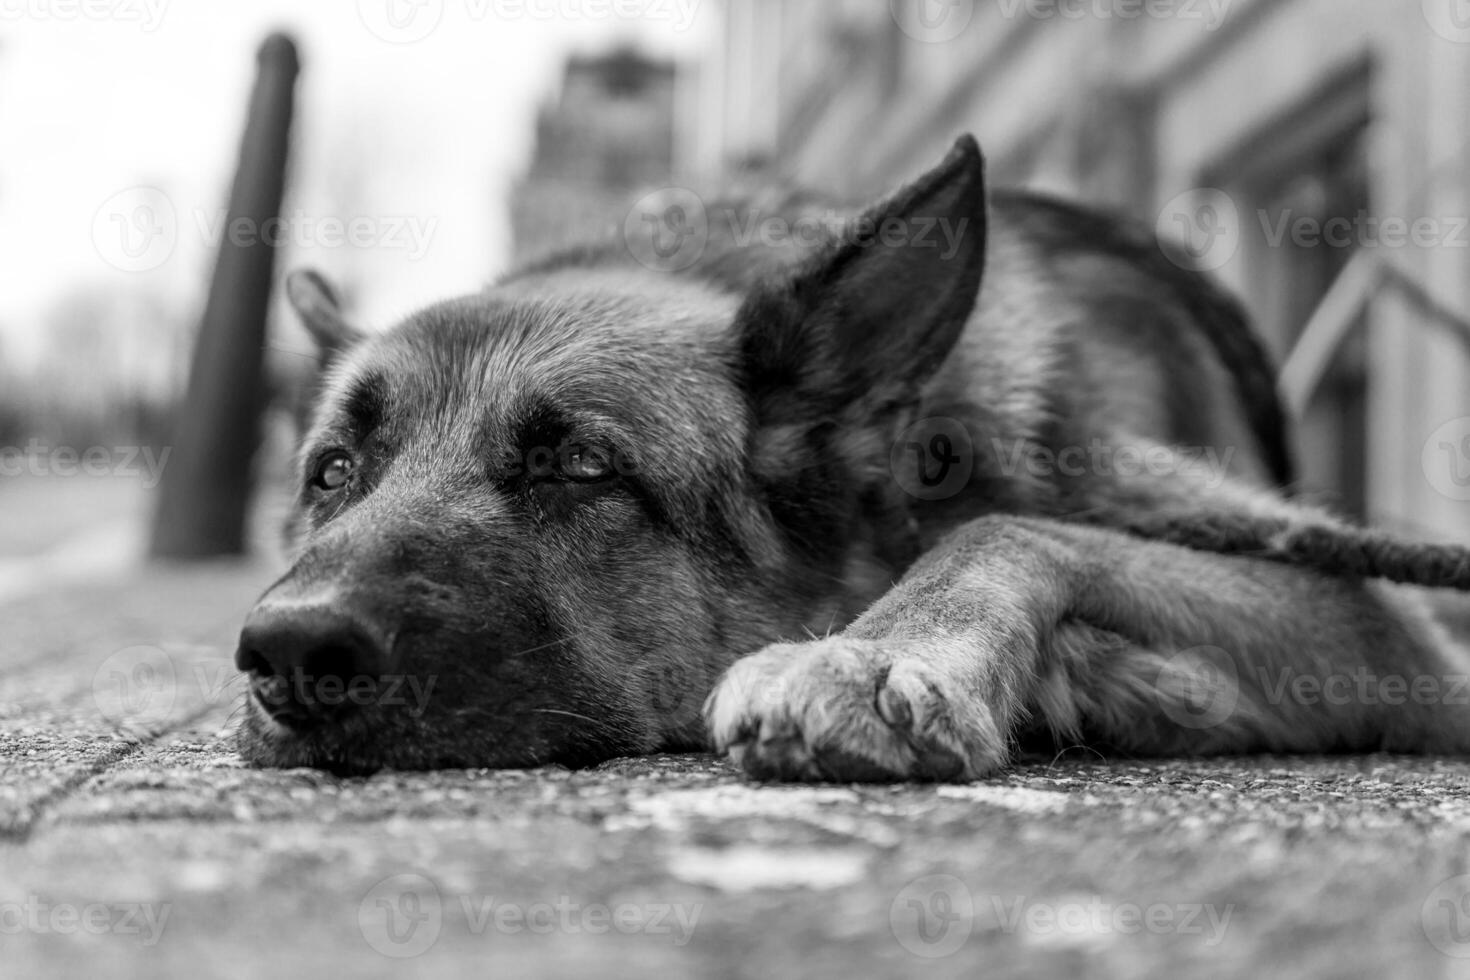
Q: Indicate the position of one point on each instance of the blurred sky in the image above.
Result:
(414, 115)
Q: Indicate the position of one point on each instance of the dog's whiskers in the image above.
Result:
(569, 714)
(544, 646)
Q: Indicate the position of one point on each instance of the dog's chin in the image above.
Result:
(362, 745)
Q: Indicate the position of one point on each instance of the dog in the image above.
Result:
(882, 501)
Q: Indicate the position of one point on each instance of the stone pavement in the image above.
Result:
(134, 844)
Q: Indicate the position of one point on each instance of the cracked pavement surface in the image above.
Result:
(133, 843)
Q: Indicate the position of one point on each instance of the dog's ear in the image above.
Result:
(315, 302)
(875, 314)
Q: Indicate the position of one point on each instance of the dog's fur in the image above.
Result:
(769, 568)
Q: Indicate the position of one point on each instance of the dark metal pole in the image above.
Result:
(205, 493)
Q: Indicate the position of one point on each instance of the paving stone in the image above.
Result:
(133, 808)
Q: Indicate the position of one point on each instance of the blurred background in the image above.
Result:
(1311, 153)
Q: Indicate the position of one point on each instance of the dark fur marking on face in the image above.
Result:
(365, 402)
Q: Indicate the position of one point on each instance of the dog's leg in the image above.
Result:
(1147, 647)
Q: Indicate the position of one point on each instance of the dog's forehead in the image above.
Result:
(657, 352)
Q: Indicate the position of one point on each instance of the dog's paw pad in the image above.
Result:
(840, 766)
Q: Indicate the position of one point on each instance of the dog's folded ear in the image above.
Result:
(876, 312)
(315, 302)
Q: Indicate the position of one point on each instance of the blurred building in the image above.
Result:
(1242, 126)
(608, 134)
(110, 363)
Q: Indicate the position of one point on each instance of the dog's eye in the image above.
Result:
(333, 472)
(586, 463)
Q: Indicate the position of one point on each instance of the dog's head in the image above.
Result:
(535, 524)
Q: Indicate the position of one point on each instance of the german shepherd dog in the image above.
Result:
(828, 505)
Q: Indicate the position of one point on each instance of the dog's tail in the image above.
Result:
(1239, 348)
(1218, 316)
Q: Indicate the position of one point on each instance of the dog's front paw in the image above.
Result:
(846, 710)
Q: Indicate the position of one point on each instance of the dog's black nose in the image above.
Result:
(310, 664)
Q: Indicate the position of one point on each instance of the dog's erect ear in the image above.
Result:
(316, 303)
(877, 312)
